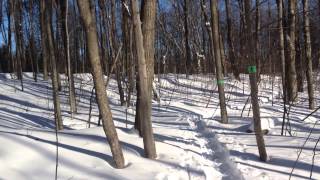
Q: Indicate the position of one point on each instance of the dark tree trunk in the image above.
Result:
(308, 52)
(231, 51)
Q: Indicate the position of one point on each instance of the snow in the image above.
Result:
(267, 124)
(190, 141)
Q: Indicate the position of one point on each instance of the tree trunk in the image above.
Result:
(114, 47)
(145, 100)
(281, 47)
(43, 41)
(253, 83)
(217, 53)
(89, 22)
(148, 29)
(231, 51)
(223, 56)
(17, 11)
(186, 35)
(308, 53)
(291, 68)
(52, 58)
(299, 52)
(72, 99)
(257, 40)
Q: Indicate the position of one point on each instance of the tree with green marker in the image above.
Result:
(254, 86)
(219, 70)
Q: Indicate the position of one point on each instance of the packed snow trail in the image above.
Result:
(186, 129)
(26, 129)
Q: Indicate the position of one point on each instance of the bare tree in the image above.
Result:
(290, 64)
(186, 35)
(257, 40)
(253, 83)
(43, 40)
(54, 74)
(17, 16)
(231, 50)
(217, 53)
(308, 53)
(72, 99)
(89, 21)
(145, 98)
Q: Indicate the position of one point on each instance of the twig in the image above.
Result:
(314, 154)
(300, 151)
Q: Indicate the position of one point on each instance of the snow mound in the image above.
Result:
(267, 124)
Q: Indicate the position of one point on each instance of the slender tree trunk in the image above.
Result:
(299, 52)
(253, 83)
(209, 31)
(127, 51)
(17, 11)
(291, 69)
(308, 53)
(223, 56)
(319, 47)
(145, 101)
(72, 99)
(281, 47)
(52, 58)
(257, 40)
(43, 41)
(9, 5)
(114, 47)
(217, 53)
(33, 56)
(89, 22)
(231, 51)
(186, 34)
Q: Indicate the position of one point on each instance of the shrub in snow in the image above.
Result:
(266, 125)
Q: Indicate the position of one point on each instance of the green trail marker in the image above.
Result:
(220, 82)
(252, 69)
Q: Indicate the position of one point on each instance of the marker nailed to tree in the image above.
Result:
(252, 69)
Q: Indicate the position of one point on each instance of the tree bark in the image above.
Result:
(186, 35)
(281, 47)
(217, 53)
(52, 58)
(43, 41)
(148, 29)
(308, 53)
(291, 68)
(231, 51)
(72, 99)
(145, 101)
(17, 11)
(257, 40)
(89, 22)
(114, 47)
(253, 83)
(299, 52)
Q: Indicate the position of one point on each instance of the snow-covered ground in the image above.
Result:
(190, 141)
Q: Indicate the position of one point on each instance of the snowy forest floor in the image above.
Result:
(190, 141)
